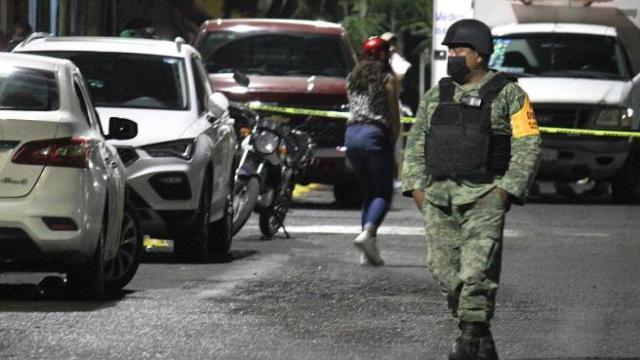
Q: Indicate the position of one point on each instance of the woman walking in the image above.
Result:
(372, 131)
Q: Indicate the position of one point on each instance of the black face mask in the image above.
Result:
(457, 68)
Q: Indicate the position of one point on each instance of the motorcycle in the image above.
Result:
(272, 154)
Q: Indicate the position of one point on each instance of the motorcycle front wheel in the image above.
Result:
(245, 195)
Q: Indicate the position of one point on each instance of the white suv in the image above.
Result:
(62, 191)
(180, 166)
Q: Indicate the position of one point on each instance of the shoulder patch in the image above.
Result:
(523, 122)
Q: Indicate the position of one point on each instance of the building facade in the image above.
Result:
(107, 17)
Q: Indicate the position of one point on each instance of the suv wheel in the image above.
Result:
(192, 243)
(222, 230)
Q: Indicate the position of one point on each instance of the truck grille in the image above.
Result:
(565, 115)
(325, 132)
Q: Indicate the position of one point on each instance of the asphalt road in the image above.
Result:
(570, 288)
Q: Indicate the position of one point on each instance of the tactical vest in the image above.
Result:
(460, 142)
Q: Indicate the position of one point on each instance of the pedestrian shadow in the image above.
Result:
(169, 258)
(577, 199)
(581, 358)
(51, 295)
(408, 266)
(334, 205)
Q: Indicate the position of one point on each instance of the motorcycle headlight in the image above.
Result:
(614, 118)
(266, 142)
(183, 149)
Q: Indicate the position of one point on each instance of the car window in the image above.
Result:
(276, 54)
(561, 55)
(85, 99)
(201, 93)
(83, 102)
(131, 80)
(28, 89)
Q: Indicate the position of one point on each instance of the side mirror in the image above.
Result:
(241, 79)
(122, 129)
(217, 104)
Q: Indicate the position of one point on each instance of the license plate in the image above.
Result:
(549, 154)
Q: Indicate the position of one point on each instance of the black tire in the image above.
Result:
(88, 280)
(192, 243)
(221, 230)
(272, 218)
(348, 193)
(245, 197)
(625, 187)
(120, 270)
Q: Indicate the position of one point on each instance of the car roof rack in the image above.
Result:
(34, 36)
(179, 42)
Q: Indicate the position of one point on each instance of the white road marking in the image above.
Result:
(581, 234)
(355, 229)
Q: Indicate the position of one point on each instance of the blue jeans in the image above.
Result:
(371, 154)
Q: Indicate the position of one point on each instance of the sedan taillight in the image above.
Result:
(65, 152)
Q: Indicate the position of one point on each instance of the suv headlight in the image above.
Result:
(183, 149)
(266, 142)
(614, 118)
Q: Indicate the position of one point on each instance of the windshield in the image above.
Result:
(276, 54)
(131, 80)
(561, 55)
(27, 89)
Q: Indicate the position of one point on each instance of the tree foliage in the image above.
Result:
(361, 18)
(411, 18)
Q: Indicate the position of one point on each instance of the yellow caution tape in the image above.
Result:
(411, 120)
(607, 133)
(298, 111)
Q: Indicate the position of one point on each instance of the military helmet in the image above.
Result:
(375, 47)
(470, 32)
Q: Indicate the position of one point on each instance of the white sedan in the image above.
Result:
(62, 187)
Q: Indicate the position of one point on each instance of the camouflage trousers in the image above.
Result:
(464, 253)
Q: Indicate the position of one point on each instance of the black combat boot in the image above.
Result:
(487, 348)
(475, 343)
(453, 298)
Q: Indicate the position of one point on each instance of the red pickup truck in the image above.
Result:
(289, 63)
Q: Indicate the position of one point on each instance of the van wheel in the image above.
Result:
(88, 280)
(625, 186)
(121, 269)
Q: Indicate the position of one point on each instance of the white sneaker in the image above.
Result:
(364, 261)
(367, 244)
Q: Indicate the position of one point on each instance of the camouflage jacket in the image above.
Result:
(511, 114)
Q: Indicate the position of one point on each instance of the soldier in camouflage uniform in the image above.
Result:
(473, 150)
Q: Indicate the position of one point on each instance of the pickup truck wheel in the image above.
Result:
(625, 186)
